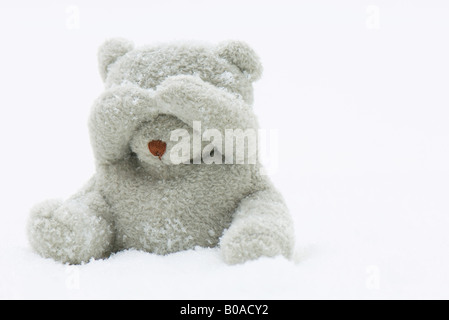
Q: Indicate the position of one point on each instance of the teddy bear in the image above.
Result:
(153, 193)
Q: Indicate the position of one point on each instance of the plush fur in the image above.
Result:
(136, 200)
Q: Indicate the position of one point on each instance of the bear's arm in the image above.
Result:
(191, 99)
(262, 226)
(115, 116)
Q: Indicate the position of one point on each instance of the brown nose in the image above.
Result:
(157, 148)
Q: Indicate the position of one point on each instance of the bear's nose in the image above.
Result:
(157, 148)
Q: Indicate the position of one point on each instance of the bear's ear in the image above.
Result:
(110, 51)
(241, 55)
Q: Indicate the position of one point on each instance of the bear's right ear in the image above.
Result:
(110, 51)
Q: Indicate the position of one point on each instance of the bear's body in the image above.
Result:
(174, 214)
(140, 197)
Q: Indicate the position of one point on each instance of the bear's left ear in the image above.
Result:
(241, 55)
(110, 51)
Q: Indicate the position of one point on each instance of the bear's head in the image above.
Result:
(168, 70)
(232, 65)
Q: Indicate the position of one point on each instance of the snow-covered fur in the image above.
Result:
(146, 202)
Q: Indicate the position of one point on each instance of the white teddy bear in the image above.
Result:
(153, 191)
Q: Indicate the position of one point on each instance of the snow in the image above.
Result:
(377, 237)
(360, 110)
(227, 77)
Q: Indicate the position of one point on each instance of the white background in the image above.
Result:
(358, 92)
